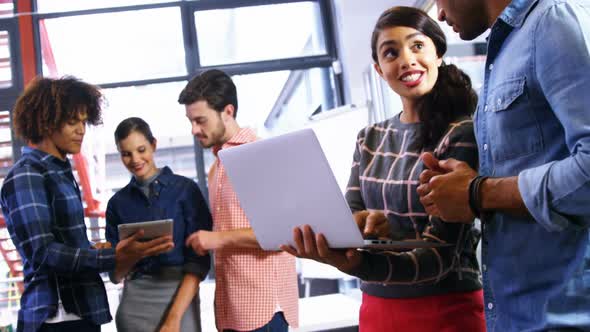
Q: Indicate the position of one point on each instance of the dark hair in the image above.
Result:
(213, 86)
(129, 125)
(452, 95)
(47, 104)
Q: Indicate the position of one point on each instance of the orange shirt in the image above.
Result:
(251, 284)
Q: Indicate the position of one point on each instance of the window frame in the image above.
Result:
(188, 8)
(9, 95)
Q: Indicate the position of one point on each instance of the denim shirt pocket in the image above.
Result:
(514, 129)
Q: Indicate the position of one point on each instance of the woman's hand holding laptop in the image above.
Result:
(311, 246)
(373, 224)
(308, 245)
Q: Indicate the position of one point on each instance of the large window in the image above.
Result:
(143, 52)
(280, 54)
(10, 81)
(5, 144)
(6, 8)
(5, 67)
(155, 103)
(51, 6)
(10, 85)
(114, 47)
(244, 34)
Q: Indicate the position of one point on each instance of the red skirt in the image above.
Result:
(457, 312)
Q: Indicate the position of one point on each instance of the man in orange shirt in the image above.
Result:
(255, 290)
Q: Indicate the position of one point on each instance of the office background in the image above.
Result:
(296, 64)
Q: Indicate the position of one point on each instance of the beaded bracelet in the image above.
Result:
(475, 195)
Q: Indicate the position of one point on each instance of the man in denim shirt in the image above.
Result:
(533, 134)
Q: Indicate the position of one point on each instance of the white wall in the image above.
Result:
(355, 20)
(337, 132)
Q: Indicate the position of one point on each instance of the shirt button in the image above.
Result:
(499, 101)
(490, 306)
(485, 108)
(485, 147)
(491, 66)
(484, 267)
(218, 208)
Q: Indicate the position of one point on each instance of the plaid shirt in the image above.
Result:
(384, 177)
(251, 284)
(45, 218)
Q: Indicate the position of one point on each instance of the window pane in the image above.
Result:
(474, 66)
(6, 8)
(244, 34)
(157, 105)
(288, 100)
(51, 6)
(5, 145)
(114, 47)
(5, 61)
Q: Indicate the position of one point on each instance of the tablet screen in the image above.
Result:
(152, 229)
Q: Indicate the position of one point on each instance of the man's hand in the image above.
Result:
(372, 224)
(130, 250)
(203, 241)
(311, 246)
(444, 189)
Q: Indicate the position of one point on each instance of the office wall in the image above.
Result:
(337, 133)
(355, 20)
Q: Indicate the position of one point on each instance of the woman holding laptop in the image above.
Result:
(424, 289)
(161, 292)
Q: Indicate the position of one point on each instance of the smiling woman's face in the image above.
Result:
(137, 154)
(408, 61)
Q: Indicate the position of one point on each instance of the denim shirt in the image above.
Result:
(533, 121)
(172, 196)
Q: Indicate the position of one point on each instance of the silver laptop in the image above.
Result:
(285, 182)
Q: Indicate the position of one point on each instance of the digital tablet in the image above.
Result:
(152, 229)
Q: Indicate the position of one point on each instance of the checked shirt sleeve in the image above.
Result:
(29, 214)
